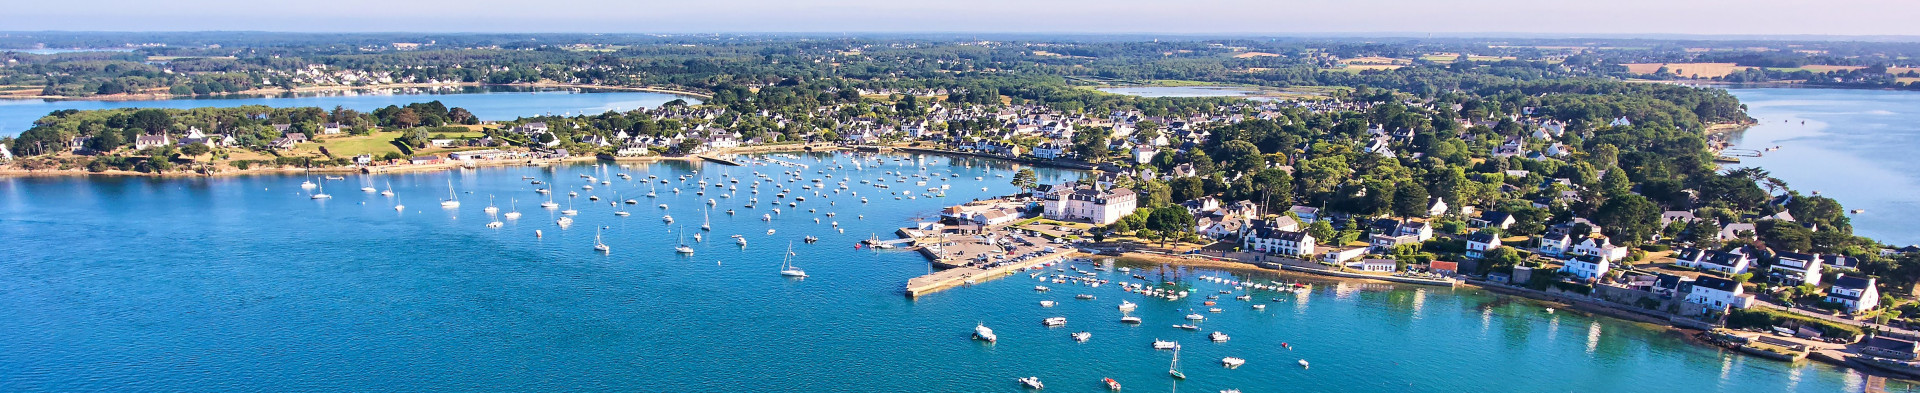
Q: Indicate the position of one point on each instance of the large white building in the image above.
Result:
(1719, 261)
(1601, 246)
(1075, 202)
(1479, 243)
(1276, 241)
(1857, 293)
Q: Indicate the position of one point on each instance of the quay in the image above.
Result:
(967, 274)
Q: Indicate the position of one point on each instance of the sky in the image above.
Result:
(1611, 17)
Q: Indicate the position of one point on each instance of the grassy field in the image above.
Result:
(1908, 80)
(377, 144)
(1376, 60)
(1355, 68)
(1254, 54)
(1703, 70)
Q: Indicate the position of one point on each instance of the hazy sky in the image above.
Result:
(1842, 17)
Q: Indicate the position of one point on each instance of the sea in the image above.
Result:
(246, 283)
(1855, 146)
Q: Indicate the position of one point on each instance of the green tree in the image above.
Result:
(1170, 220)
(1628, 218)
(1410, 201)
(1025, 179)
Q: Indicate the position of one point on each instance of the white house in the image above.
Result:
(1375, 265)
(1587, 267)
(1438, 208)
(1048, 151)
(330, 128)
(1600, 246)
(1074, 202)
(1796, 268)
(1479, 243)
(1857, 293)
(1343, 255)
(1144, 154)
(5, 155)
(1716, 293)
(1719, 261)
(1555, 244)
(1270, 240)
(145, 141)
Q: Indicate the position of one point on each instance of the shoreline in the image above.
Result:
(276, 92)
(8, 172)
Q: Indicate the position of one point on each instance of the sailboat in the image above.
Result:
(570, 210)
(452, 200)
(490, 208)
(1174, 369)
(786, 264)
(368, 188)
(597, 245)
(515, 213)
(399, 207)
(389, 191)
(549, 203)
(323, 193)
(622, 209)
(706, 223)
(682, 248)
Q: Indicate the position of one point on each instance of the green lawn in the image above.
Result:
(377, 144)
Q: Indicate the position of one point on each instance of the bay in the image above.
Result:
(488, 103)
(1855, 146)
(244, 283)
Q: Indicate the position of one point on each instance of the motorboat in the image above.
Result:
(1083, 297)
(1232, 362)
(1187, 326)
(1054, 322)
(1130, 320)
(983, 333)
(1218, 337)
(1082, 336)
(1111, 384)
(1162, 344)
(1032, 382)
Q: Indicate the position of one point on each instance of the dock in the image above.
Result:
(966, 275)
(719, 160)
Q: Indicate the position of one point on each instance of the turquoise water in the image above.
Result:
(243, 283)
(1854, 146)
(489, 103)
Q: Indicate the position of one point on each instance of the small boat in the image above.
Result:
(1232, 362)
(1082, 336)
(667, 218)
(1111, 384)
(1127, 306)
(769, 231)
(1186, 326)
(1047, 303)
(564, 221)
(597, 245)
(1303, 363)
(1032, 382)
(1130, 320)
(1083, 297)
(1040, 288)
(495, 224)
(1259, 306)
(1054, 322)
(1158, 344)
(982, 333)
(1196, 317)
(1218, 337)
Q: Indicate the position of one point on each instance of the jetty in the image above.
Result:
(719, 160)
(971, 274)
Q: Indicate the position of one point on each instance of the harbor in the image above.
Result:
(510, 290)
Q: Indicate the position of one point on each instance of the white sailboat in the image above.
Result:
(399, 207)
(570, 210)
(490, 207)
(682, 248)
(706, 223)
(549, 204)
(597, 245)
(786, 264)
(322, 194)
(515, 213)
(452, 201)
(389, 191)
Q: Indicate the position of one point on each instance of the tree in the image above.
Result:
(1410, 201)
(1090, 143)
(1628, 218)
(1168, 220)
(1241, 157)
(406, 118)
(1025, 179)
(1322, 230)
(195, 150)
